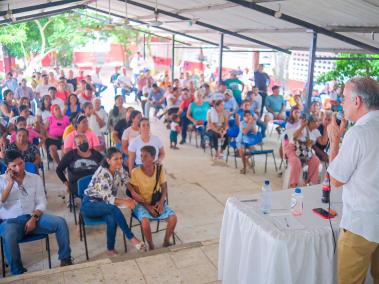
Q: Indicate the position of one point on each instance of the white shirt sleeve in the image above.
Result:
(41, 202)
(133, 146)
(345, 163)
(125, 134)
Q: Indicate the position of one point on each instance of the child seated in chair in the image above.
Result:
(146, 181)
(247, 137)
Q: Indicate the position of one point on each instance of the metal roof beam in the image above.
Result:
(161, 28)
(305, 24)
(41, 15)
(40, 6)
(205, 25)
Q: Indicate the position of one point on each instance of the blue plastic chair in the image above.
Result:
(31, 168)
(3, 167)
(232, 132)
(86, 221)
(27, 239)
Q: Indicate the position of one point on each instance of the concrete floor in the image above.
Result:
(198, 189)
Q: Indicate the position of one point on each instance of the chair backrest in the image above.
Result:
(31, 168)
(3, 167)
(83, 184)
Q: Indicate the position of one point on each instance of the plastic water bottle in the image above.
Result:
(297, 202)
(266, 197)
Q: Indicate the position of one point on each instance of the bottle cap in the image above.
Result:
(298, 190)
(267, 182)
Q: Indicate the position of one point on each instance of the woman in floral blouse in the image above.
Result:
(100, 199)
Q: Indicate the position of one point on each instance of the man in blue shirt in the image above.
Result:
(155, 99)
(276, 105)
(262, 81)
(10, 83)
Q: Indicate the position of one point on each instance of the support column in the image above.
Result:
(221, 49)
(311, 66)
(144, 46)
(173, 58)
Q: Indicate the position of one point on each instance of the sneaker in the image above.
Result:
(67, 262)
(182, 142)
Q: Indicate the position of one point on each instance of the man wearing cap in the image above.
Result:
(230, 103)
(236, 85)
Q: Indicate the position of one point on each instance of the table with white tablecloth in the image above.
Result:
(279, 247)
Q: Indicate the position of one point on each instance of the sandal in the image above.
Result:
(141, 247)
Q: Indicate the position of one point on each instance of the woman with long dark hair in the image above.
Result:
(100, 199)
(72, 105)
(117, 113)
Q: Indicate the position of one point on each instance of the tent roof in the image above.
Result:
(342, 25)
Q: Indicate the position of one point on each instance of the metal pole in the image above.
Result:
(173, 59)
(144, 46)
(221, 49)
(311, 66)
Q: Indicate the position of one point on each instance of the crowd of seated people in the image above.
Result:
(70, 126)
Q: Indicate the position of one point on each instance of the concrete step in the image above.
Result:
(41, 276)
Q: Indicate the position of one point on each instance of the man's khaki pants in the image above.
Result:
(355, 254)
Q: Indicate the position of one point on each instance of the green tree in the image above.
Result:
(346, 69)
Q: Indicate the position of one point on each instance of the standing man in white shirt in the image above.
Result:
(22, 207)
(355, 166)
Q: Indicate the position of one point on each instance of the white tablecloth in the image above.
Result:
(278, 247)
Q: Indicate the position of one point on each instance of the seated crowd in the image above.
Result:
(71, 127)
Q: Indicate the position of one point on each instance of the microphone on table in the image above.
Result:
(326, 189)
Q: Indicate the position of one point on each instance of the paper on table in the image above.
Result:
(286, 222)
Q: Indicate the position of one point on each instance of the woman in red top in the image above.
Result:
(61, 92)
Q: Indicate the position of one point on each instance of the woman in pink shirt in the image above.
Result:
(55, 126)
(81, 127)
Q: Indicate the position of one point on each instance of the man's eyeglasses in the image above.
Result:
(23, 190)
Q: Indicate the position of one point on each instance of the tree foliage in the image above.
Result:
(61, 33)
(346, 69)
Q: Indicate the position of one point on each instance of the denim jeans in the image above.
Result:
(263, 127)
(12, 232)
(99, 89)
(213, 137)
(112, 216)
(201, 131)
(184, 122)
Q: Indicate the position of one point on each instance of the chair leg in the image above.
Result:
(158, 222)
(253, 162)
(143, 236)
(227, 154)
(235, 157)
(131, 222)
(273, 156)
(85, 240)
(173, 238)
(80, 227)
(48, 250)
(2, 257)
(126, 248)
(266, 164)
(74, 208)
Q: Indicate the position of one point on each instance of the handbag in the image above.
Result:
(157, 193)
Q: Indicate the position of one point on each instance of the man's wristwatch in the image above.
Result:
(35, 216)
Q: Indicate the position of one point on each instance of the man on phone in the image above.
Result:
(355, 167)
(22, 207)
